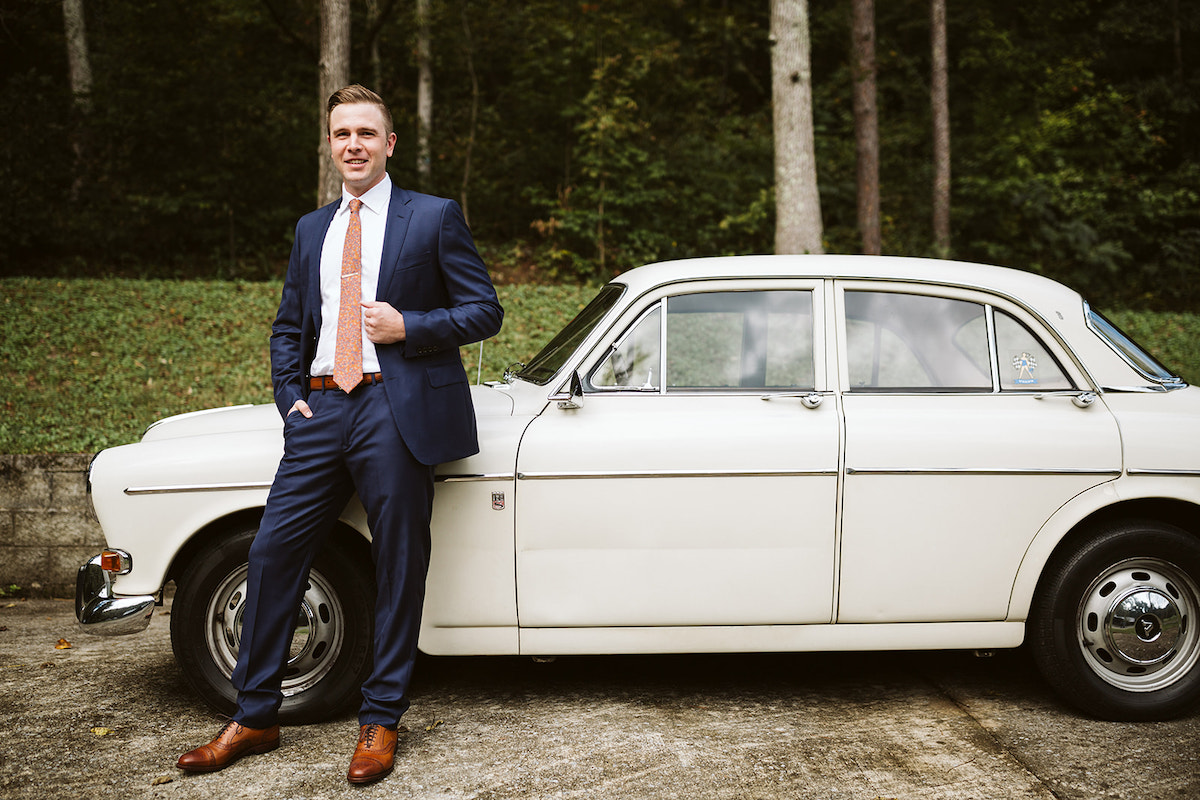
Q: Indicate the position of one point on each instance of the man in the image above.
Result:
(382, 289)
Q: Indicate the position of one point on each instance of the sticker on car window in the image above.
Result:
(1025, 364)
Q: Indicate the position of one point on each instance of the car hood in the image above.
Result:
(489, 402)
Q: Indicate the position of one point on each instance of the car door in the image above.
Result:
(694, 482)
(967, 426)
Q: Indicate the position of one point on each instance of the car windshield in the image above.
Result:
(1130, 350)
(550, 360)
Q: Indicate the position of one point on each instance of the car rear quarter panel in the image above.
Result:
(1160, 436)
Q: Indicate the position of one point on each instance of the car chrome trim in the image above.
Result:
(476, 478)
(197, 487)
(1167, 473)
(99, 611)
(980, 471)
(1167, 383)
(669, 473)
(1156, 388)
(223, 487)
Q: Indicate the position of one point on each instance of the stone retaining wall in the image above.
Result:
(47, 529)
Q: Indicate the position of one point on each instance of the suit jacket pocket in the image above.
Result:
(445, 375)
(421, 259)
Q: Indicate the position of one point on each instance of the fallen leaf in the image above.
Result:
(102, 731)
(63, 644)
(161, 779)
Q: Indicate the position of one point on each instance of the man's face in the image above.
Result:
(360, 145)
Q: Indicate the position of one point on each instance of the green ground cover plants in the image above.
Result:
(91, 363)
(88, 364)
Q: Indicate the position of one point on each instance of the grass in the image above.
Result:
(88, 364)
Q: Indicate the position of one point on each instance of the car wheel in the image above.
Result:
(1115, 628)
(330, 653)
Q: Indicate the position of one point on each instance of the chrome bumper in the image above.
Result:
(101, 612)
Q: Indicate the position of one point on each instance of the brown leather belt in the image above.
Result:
(324, 382)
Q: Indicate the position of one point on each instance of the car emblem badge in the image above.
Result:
(1025, 364)
(1148, 628)
(497, 501)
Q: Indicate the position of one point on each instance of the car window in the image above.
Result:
(716, 341)
(634, 361)
(546, 364)
(1024, 361)
(916, 342)
(1137, 356)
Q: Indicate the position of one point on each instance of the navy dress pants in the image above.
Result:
(350, 444)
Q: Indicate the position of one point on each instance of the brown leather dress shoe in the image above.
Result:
(374, 756)
(233, 742)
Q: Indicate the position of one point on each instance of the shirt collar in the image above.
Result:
(374, 199)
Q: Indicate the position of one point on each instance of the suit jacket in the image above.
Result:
(431, 273)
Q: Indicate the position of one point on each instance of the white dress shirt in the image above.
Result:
(373, 215)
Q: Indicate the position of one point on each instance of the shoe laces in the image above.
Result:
(231, 724)
(368, 735)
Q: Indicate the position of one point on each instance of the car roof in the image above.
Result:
(1031, 289)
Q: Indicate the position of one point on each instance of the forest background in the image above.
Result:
(585, 138)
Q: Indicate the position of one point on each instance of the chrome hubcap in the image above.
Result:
(1144, 626)
(1137, 624)
(316, 637)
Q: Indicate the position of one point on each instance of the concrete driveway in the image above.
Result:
(106, 718)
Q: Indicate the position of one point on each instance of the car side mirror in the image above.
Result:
(575, 393)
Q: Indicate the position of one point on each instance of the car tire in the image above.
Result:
(1115, 627)
(331, 648)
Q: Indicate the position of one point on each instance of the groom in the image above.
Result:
(382, 289)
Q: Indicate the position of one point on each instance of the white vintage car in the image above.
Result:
(768, 453)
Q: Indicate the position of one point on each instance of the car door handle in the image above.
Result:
(809, 399)
(1082, 399)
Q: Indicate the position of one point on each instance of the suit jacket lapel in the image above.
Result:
(399, 214)
(314, 266)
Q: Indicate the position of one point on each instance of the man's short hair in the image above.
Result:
(358, 94)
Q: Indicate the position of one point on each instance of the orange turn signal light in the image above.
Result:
(110, 561)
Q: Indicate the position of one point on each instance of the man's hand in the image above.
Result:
(383, 324)
(302, 407)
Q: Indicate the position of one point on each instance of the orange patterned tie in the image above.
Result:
(347, 358)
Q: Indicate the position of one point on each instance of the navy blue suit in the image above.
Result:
(381, 441)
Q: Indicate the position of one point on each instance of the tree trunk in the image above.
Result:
(373, 14)
(424, 96)
(80, 72)
(334, 75)
(866, 125)
(941, 130)
(377, 15)
(797, 204)
(466, 181)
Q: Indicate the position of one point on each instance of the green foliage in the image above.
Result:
(1172, 337)
(606, 134)
(100, 360)
(660, 163)
(91, 363)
